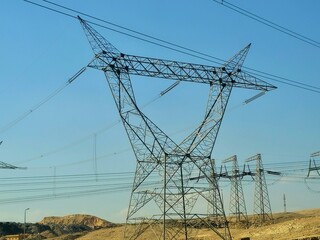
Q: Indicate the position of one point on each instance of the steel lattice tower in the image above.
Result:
(237, 203)
(214, 196)
(262, 207)
(315, 168)
(173, 209)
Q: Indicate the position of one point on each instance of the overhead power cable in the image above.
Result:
(64, 147)
(42, 102)
(312, 189)
(113, 124)
(169, 45)
(269, 23)
(66, 186)
(184, 49)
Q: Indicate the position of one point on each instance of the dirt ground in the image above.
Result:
(285, 226)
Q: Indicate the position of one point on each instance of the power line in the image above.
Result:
(42, 102)
(51, 9)
(114, 123)
(80, 185)
(64, 147)
(173, 46)
(217, 60)
(269, 23)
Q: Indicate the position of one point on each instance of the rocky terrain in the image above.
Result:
(301, 225)
(77, 219)
(68, 227)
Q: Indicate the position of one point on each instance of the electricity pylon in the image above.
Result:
(214, 203)
(237, 203)
(315, 168)
(175, 207)
(262, 207)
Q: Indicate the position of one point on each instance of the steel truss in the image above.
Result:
(237, 203)
(313, 168)
(262, 206)
(173, 208)
(213, 210)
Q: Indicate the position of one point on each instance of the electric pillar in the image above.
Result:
(314, 168)
(214, 195)
(262, 207)
(176, 209)
(237, 203)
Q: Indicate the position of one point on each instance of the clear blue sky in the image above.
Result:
(40, 50)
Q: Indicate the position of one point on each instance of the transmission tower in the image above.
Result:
(315, 168)
(173, 209)
(262, 207)
(214, 195)
(237, 204)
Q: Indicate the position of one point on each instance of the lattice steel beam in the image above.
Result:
(237, 203)
(262, 206)
(312, 161)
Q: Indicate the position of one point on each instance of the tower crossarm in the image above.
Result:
(110, 59)
(313, 160)
(175, 70)
(4, 165)
(230, 159)
(315, 154)
(256, 157)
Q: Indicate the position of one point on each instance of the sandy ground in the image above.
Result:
(285, 226)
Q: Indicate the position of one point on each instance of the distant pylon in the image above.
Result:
(214, 195)
(262, 207)
(237, 203)
(315, 168)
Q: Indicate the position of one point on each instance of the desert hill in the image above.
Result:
(68, 227)
(300, 225)
(77, 219)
